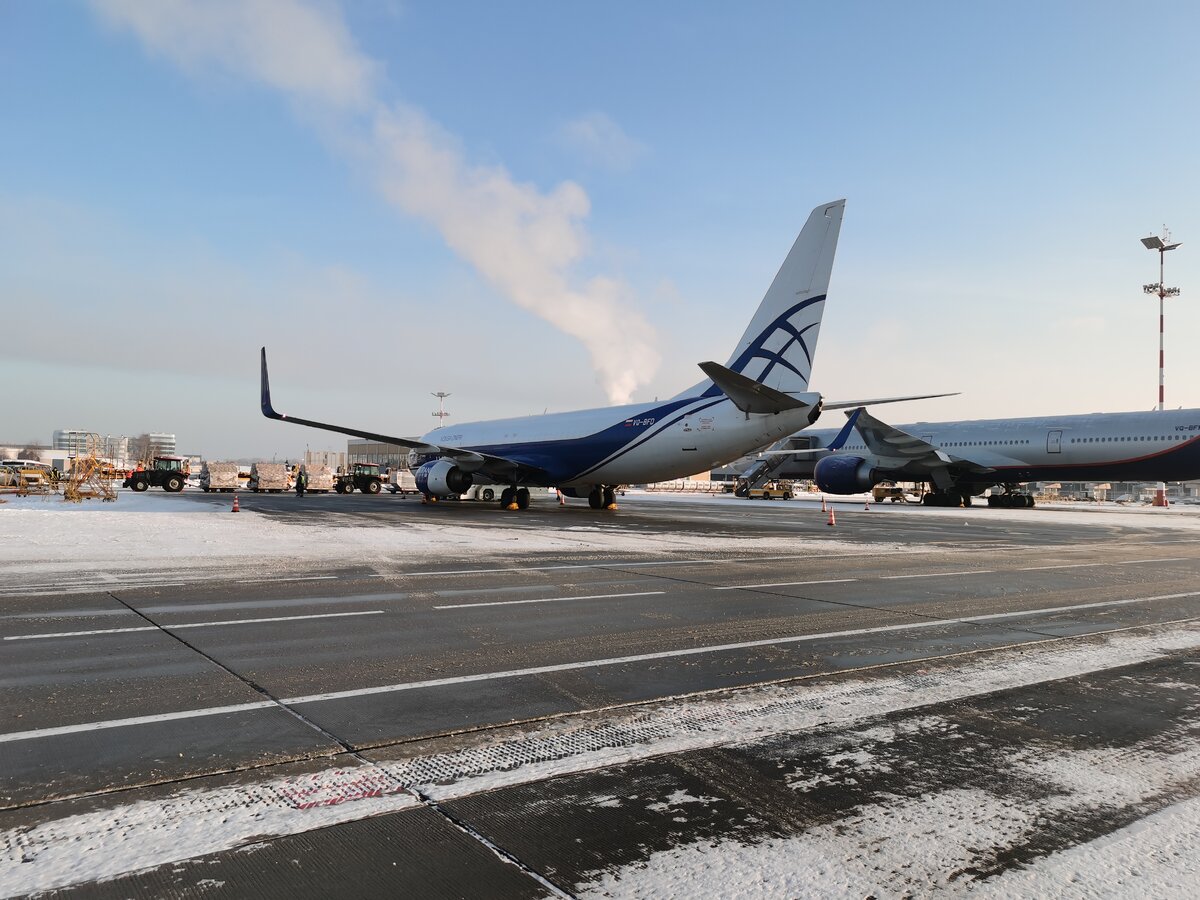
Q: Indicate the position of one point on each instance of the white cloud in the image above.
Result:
(303, 50)
(524, 241)
(602, 142)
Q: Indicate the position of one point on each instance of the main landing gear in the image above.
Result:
(1008, 500)
(603, 497)
(1011, 501)
(514, 498)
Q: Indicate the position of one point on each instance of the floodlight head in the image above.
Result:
(1153, 243)
(1170, 246)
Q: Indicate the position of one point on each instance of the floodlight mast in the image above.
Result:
(1162, 245)
(441, 413)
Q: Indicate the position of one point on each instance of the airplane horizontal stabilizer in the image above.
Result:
(748, 395)
(847, 404)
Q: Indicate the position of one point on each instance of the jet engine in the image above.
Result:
(440, 477)
(844, 475)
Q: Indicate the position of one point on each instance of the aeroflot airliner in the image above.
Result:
(963, 459)
(759, 396)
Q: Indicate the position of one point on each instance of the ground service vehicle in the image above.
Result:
(363, 476)
(772, 490)
(166, 472)
(889, 490)
(485, 492)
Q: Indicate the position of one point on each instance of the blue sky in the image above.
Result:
(552, 206)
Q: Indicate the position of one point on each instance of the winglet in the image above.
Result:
(844, 435)
(267, 409)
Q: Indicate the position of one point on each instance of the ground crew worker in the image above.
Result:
(301, 483)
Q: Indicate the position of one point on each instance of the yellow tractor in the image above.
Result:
(772, 490)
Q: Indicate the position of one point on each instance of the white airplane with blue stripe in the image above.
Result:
(759, 396)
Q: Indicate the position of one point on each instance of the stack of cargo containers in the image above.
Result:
(320, 479)
(269, 477)
(219, 476)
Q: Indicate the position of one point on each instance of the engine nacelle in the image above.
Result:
(844, 475)
(440, 477)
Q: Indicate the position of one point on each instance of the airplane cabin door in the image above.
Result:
(1054, 442)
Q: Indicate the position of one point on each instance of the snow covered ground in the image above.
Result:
(155, 529)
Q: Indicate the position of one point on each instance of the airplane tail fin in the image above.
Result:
(779, 345)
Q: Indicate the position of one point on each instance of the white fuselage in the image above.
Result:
(1136, 446)
(633, 444)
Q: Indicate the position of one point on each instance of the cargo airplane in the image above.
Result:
(961, 460)
(759, 396)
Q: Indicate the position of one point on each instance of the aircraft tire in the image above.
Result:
(595, 499)
(522, 498)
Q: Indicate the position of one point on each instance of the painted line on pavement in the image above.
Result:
(1063, 566)
(940, 574)
(549, 600)
(742, 587)
(1138, 562)
(297, 578)
(63, 634)
(567, 667)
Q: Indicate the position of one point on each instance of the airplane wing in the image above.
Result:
(847, 404)
(467, 460)
(885, 440)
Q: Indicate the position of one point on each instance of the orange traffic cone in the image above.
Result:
(562, 501)
(867, 504)
(832, 517)
(823, 509)
(235, 503)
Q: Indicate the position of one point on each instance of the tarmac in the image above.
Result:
(143, 696)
